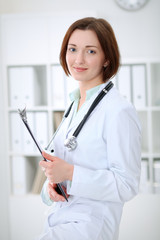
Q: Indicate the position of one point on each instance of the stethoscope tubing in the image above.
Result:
(72, 140)
(92, 107)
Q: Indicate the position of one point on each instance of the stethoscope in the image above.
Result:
(71, 142)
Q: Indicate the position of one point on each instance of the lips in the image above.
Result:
(80, 69)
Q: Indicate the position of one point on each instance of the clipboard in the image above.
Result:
(23, 116)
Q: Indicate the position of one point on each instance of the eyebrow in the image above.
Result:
(87, 46)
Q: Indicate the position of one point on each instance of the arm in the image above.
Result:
(120, 181)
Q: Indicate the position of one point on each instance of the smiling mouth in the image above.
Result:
(80, 69)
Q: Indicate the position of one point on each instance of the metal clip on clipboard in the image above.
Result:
(23, 116)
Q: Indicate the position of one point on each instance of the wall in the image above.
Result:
(137, 32)
(4, 233)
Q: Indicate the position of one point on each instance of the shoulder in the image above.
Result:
(117, 107)
(115, 101)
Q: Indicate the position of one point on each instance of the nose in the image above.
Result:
(80, 58)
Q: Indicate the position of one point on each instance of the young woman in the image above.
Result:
(102, 172)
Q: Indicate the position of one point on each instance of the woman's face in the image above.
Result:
(85, 57)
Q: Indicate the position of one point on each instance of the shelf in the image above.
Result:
(39, 109)
(155, 86)
(145, 154)
(21, 154)
(155, 108)
(156, 155)
(29, 109)
(143, 116)
(142, 109)
(156, 131)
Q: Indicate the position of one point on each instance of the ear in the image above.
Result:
(106, 64)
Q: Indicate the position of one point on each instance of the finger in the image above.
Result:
(54, 195)
(59, 192)
(58, 198)
(65, 190)
(48, 156)
(43, 164)
(43, 169)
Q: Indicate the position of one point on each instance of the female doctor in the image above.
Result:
(102, 170)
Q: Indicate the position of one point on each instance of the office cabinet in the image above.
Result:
(46, 111)
(33, 80)
(141, 86)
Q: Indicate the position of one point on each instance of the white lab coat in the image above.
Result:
(106, 171)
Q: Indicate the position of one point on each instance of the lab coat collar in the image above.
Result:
(80, 114)
(75, 95)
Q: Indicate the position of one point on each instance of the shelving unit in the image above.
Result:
(46, 110)
(30, 67)
(142, 89)
(45, 100)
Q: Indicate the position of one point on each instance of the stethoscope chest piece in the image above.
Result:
(70, 143)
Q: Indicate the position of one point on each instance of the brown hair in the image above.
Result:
(107, 41)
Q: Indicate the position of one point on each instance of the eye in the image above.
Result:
(91, 51)
(72, 49)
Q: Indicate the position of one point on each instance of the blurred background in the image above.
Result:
(30, 38)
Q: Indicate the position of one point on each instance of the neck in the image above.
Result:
(83, 87)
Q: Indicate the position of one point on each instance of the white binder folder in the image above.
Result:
(15, 86)
(41, 131)
(124, 82)
(23, 171)
(19, 178)
(16, 128)
(23, 86)
(30, 86)
(156, 171)
(58, 94)
(28, 144)
(144, 176)
(139, 86)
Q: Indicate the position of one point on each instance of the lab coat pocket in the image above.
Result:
(85, 220)
(75, 213)
(89, 218)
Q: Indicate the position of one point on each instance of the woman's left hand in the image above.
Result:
(56, 170)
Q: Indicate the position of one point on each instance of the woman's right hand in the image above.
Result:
(54, 196)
